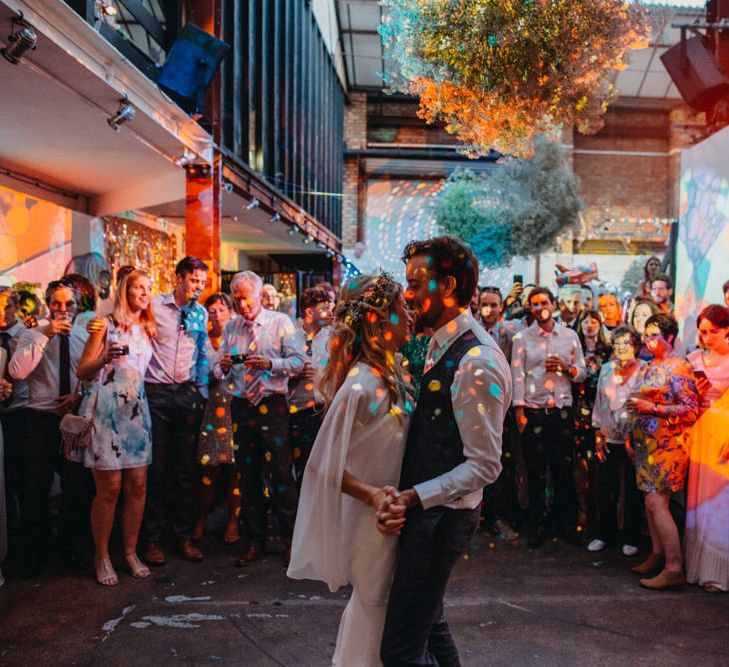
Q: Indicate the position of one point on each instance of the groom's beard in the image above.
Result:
(427, 320)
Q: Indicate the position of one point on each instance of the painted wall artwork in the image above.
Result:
(35, 238)
(703, 237)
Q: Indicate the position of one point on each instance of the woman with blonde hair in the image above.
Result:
(114, 362)
(355, 463)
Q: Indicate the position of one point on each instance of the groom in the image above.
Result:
(453, 450)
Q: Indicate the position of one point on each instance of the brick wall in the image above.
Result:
(355, 136)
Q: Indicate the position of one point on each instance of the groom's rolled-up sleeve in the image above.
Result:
(481, 394)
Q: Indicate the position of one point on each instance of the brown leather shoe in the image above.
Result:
(189, 551)
(653, 563)
(154, 555)
(249, 555)
(665, 581)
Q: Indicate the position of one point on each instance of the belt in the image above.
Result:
(160, 386)
(549, 411)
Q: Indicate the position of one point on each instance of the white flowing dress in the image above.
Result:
(335, 537)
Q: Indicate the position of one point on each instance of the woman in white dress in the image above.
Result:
(706, 538)
(355, 465)
(115, 360)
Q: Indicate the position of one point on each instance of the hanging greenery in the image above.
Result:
(499, 71)
(517, 209)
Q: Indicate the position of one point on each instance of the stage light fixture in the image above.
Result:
(125, 113)
(254, 203)
(20, 42)
(275, 218)
(293, 230)
(228, 186)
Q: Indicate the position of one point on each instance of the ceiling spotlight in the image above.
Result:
(254, 203)
(275, 218)
(293, 230)
(188, 157)
(125, 113)
(227, 186)
(308, 238)
(105, 8)
(20, 42)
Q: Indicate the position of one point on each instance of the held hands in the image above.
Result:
(389, 509)
(309, 372)
(514, 293)
(113, 352)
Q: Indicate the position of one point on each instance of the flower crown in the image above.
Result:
(374, 298)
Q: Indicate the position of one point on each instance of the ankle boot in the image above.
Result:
(653, 563)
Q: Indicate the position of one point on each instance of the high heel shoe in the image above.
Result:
(136, 567)
(105, 574)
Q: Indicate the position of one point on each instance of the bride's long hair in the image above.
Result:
(366, 303)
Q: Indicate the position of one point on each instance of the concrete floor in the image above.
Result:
(506, 605)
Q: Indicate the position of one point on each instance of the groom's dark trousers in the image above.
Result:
(416, 633)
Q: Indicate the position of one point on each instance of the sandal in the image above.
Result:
(136, 567)
(105, 574)
(712, 588)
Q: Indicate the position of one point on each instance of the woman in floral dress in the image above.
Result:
(115, 361)
(665, 407)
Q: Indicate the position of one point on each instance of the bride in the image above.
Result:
(355, 463)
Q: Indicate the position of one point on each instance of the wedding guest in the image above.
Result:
(216, 451)
(5, 391)
(707, 533)
(87, 297)
(114, 362)
(618, 379)
(270, 299)
(662, 292)
(588, 297)
(12, 408)
(501, 499)
(570, 305)
(306, 404)
(596, 350)
(176, 386)
(547, 358)
(642, 310)
(612, 313)
(453, 450)
(665, 407)
(651, 269)
(258, 359)
(46, 357)
(355, 464)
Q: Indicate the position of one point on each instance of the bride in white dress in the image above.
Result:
(355, 465)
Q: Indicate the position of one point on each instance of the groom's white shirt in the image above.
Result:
(481, 395)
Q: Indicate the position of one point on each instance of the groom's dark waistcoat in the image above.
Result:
(434, 444)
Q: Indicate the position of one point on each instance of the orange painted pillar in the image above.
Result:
(203, 217)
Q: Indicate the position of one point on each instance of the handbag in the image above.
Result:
(77, 431)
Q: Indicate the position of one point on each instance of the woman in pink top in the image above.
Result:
(707, 511)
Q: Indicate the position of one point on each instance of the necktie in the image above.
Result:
(64, 366)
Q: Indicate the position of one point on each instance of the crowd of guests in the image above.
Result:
(621, 423)
(195, 401)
